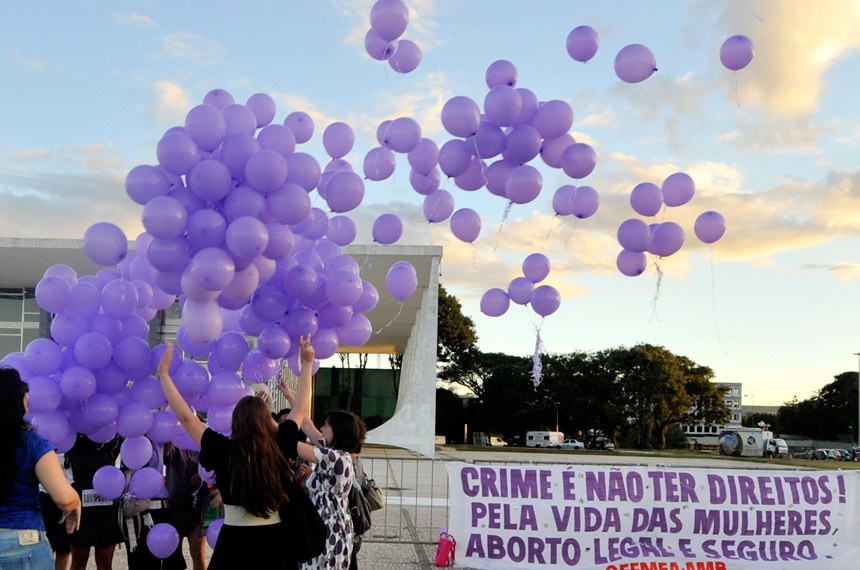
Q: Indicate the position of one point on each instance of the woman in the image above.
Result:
(340, 437)
(249, 468)
(28, 460)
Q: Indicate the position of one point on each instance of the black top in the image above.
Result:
(215, 454)
(87, 456)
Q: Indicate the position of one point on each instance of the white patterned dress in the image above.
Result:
(328, 486)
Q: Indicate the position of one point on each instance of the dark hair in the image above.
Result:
(348, 431)
(12, 423)
(281, 414)
(257, 466)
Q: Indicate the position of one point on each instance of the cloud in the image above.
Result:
(30, 63)
(170, 103)
(136, 20)
(191, 48)
(71, 188)
(796, 43)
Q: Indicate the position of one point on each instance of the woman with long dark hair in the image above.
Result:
(249, 469)
(27, 460)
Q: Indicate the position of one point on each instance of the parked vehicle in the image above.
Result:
(775, 447)
(572, 444)
(544, 439)
(601, 443)
(481, 438)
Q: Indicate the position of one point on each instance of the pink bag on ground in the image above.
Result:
(445, 550)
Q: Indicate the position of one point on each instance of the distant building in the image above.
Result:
(733, 399)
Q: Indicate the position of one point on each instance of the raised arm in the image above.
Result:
(300, 403)
(50, 475)
(180, 408)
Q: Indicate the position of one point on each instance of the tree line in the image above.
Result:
(635, 396)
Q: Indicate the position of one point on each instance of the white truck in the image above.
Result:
(751, 442)
(544, 439)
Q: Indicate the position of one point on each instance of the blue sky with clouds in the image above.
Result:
(90, 87)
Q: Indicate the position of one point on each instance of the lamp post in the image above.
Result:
(556, 410)
(857, 354)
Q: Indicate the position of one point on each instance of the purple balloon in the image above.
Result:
(213, 531)
(438, 206)
(536, 267)
(45, 394)
(177, 152)
(502, 105)
(344, 192)
(77, 383)
(99, 409)
(119, 298)
(635, 63)
(488, 141)
(634, 235)
(93, 350)
(136, 451)
(553, 119)
(522, 144)
(631, 263)
(578, 160)
(167, 255)
(454, 157)
(212, 268)
(227, 388)
(524, 184)
(582, 43)
(520, 290)
(473, 178)
(202, 321)
(274, 342)
(678, 189)
(289, 204)
(424, 157)
(501, 72)
(235, 152)
(338, 139)
(357, 332)
(146, 483)
(164, 217)
(379, 163)
(425, 184)
(301, 282)
(333, 316)
(206, 126)
(239, 119)
(368, 300)
(43, 356)
(667, 239)
(545, 300)
(737, 52)
(164, 427)
(341, 230)
(144, 182)
(134, 419)
(497, 176)
(402, 135)
(325, 343)
(343, 288)
(53, 426)
(266, 170)
(378, 48)
(210, 180)
(466, 224)
(263, 107)
(246, 237)
(461, 116)
(387, 229)
(586, 201)
(530, 105)
(406, 57)
(495, 302)
(279, 138)
(162, 540)
(388, 18)
(301, 124)
(401, 280)
(552, 150)
(192, 379)
(710, 226)
(105, 244)
(646, 199)
(562, 200)
(109, 482)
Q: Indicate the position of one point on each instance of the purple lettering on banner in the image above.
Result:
(479, 511)
(467, 476)
(561, 517)
(475, 546)
(826, 493)
(495, 547)
(568, 485)
(717, 488)
(545, 484)
(536, 548)
(523, 484)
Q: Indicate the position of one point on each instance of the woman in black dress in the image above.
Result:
(249, 469)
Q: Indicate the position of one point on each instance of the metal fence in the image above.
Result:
(416, 499)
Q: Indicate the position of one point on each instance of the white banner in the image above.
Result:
(636, 518)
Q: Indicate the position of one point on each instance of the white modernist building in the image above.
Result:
(407, 328)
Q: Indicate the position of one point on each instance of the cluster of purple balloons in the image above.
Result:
(661, 239)
(544, 299)
(383, 42)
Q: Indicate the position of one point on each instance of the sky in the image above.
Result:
(90, 87)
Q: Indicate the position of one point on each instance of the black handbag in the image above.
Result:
(359, 510)
(305, 529)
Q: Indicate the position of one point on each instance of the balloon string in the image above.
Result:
(394, 318)
(656, 290)
(570, 233)
(502, 224)
(537, 366)
(551, 225)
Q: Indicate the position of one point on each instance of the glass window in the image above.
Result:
(10, 308)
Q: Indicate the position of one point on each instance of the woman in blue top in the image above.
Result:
(27, 460)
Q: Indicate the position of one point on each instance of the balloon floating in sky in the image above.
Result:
(635, 63)
(737, 52)
(582, 43)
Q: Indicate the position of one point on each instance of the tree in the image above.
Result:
(456, 332)
(827, 414)
(450, 415)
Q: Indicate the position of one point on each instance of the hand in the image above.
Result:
(265, 396)
(215, 498)
(166, 359)
(284, 389)
(306, 350)
(72, 518)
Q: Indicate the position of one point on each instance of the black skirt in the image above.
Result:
(263, 547)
